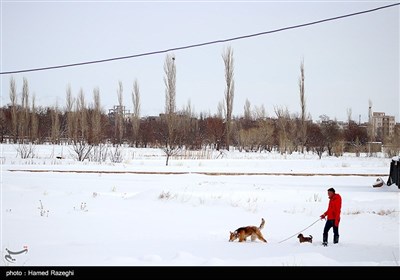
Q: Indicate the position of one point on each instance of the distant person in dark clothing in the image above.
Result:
(333, 216)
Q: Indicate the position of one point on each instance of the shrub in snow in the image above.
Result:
(81, 149)
(383, 212)
(166, 195)
(26, 150)
(116, 155)
(316, 198)
(82, 207)
(43, 212)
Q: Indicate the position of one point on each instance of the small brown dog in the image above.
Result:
(244, 232)
(304, 239)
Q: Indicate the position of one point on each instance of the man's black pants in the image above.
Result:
(328, 225)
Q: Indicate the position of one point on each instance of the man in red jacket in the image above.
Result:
(333, 214)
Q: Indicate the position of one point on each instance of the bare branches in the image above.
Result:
(349, 112)
(136, 112)
(81, 149)
(14, 116)
(82, 112)
(303, 124)
(24, 117)
(26, 150)
(227, 57)
(55, 125)
(119, 118)
(96, 117)
(170, 106)
(247, 110)
(170, 84)
(283, 123)
(34, 121)
(70, 114)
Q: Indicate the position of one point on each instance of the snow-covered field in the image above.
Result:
(136, 213)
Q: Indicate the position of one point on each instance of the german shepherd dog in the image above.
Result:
(304, 239)
(244, 232)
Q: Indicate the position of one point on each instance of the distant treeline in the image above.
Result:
(52, 125)
(82, 123)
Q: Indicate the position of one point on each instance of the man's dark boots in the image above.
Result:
(325, 239)
(335, 239)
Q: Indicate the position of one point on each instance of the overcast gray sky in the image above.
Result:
(347, 62)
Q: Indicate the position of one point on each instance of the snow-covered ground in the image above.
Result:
(135, 213)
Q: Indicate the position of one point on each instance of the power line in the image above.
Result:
(199, 44)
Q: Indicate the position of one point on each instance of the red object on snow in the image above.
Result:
(334, 207)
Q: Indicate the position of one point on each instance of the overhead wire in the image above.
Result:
(198, 44)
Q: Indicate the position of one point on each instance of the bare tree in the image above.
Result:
(259, 112)
(26, 150)
(82, 149)
(70, 114)
(283, 126)
(96, 117)
(303, 124)
(76, 118)
(14, 115)
(316, 140)
(393, 145)
(264, 133)
(370, 127)
(24, 113)
(55, 125)
(349, 111)
(356, 136)
(97, 151)
(214, 131)
(332, 134)
(191, 127)
(170, 85)
(247, 110)
(34, 121)
(186, 127)
(115, 154)
(170, 148)
(189, 110)
(136, 112)
(119, 118)
(227, 57)
(82, 119)
(3, 124)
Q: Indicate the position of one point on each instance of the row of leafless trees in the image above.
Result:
(254, 132)
(82, 122)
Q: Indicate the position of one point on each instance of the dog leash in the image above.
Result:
(300, 231)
